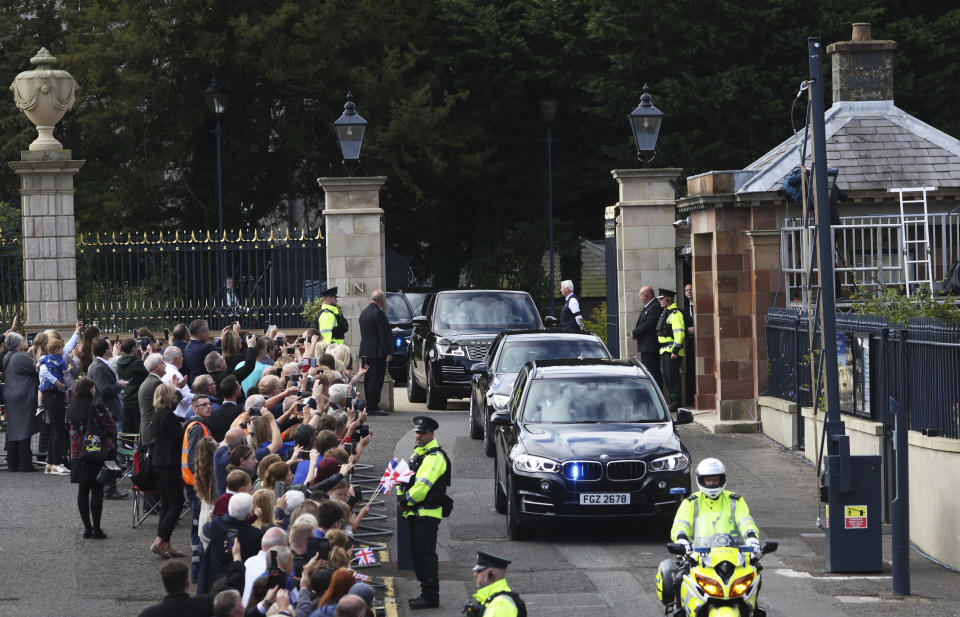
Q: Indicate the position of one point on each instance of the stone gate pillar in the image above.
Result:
(646, 242)
(46, 171)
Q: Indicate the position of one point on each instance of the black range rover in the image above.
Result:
(587, 439)
(454, 332)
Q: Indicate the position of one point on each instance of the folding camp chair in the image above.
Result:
(146, 501)
(127, 446)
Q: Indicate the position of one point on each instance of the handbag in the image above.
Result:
(109, 473)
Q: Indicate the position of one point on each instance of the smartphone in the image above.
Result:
(116, 338)
(279, 488)
(166, 334)
(275, 576)
(362, 431)
(317, 546)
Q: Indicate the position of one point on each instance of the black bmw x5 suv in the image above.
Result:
(454, 332)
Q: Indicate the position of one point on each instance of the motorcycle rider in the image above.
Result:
(713, 510)
(709, 511)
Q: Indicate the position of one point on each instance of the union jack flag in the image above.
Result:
(396, 471)
(365, 556)
(361, 578)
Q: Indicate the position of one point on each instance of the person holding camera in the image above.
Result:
(167, 432)
(92, 441)
(223, 531)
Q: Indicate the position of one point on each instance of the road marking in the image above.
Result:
(787, 572)
(858, 599)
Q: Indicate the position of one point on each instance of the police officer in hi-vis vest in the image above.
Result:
(670, 333)
(422, 502)
(331, 322)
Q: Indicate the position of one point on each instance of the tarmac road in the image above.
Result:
(47, 569)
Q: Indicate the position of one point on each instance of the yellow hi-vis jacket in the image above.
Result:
(701, 517)
(431, 468)
(327, 322)
(671, 332)
(500, 606)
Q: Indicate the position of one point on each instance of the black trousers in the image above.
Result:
(90, 504)
(131, 418)
(55, 403)
(19, 455)
(671, 378)
(651, 360)
(373, 381)
(423, 548)
(170, 483)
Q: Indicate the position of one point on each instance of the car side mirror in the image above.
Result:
(405, 325)
(500, 417)
(419, 320)
(549, 321)
(479, 367)
(684, 416)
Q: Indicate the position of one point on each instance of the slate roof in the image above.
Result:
(875, 145)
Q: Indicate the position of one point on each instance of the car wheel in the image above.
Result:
(499, 497)
(476, 429)
(415, 393)
(515, 528)
(434, 399)
(488, 446)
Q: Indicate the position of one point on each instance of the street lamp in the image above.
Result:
(214, 97)
(645, 123)
(350, 127)
(548, 109)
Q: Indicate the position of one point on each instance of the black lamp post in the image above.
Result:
(350, 127)
(214, 97)
(645, 123)
(548, 108)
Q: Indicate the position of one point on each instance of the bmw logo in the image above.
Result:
(604, 457)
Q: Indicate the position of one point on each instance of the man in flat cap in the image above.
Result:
(331, 322)
(423, 502)
(494, 598)
(670, 333)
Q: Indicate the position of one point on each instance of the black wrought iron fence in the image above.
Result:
(156, 280)
(918, 365)
(11, 281)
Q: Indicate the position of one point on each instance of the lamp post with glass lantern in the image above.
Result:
(350, 127)
(548, 109)
(645, 122)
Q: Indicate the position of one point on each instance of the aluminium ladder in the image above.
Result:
(915, 239)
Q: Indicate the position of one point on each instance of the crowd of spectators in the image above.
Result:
(255, 434)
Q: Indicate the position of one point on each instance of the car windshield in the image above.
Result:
(416, 301)
(397, 309)
(516, 353)
(486, 311)
(593, 399)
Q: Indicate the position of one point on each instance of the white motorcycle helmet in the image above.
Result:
(711, 467)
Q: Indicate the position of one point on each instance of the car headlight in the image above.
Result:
(674, 462)
(530, 463)
(449, 349)
(500, 401)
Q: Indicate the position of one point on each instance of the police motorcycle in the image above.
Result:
(719, 577)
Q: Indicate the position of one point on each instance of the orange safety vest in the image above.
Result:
(236, 424)
(185, 449)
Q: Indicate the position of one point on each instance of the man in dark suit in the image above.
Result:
(645, 333)
(109, 387)
(223, 416)
(376, 345)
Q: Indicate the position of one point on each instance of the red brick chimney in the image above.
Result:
(862, 67)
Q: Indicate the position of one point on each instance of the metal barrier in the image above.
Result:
(869, 253)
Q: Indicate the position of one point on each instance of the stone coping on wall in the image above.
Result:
(861, 425)
(941, 444)
(778, 403)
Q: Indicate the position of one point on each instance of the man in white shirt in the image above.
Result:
(255, 566)
(173, 359)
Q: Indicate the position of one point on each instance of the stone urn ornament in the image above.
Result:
(44, 94)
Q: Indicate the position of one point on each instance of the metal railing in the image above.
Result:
(125, 281)
(869, 253)
(917, 365)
